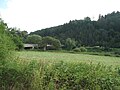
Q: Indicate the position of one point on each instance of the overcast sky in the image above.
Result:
(34, 15)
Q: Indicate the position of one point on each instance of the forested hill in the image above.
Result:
(103, 32)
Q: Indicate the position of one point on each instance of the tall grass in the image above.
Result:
(44, 75)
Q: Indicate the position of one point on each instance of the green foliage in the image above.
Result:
(43, 75)
(15, 76)
(83, 49)
(104, 32)
(6, 44)
(18, 42)
(70, 44)
(17, 37)
(52, 42)
(95, 49)
(21, 34)
(117, 52)
(77, 50)
(34, 39)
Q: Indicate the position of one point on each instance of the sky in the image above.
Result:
(32, 15)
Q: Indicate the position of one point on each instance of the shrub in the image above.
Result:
(117, 52)
(77, 50)
(6, 47)
(9, 77)
(6, 44)
(107, 54)
(80, 76)
(107, 49)
(58, 76)
(83, 49)
(15, 76)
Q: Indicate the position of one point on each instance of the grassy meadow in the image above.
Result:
(69, 57)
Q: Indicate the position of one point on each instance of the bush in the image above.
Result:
(6, 49)
(95, 49)
(6, 44)
(80, 76)
(117, 52)
(107, 49)
(58, 76)
(13, 76)
(77, 50)
(83, 49)
(107, 54)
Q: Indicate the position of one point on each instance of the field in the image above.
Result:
(69, 57)
(35, 70)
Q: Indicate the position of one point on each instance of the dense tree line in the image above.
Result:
(103, 32)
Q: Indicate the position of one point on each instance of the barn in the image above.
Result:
(30, 46)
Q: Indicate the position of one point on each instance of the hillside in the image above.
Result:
(103, 32)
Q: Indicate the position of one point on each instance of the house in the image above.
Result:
(30, 46)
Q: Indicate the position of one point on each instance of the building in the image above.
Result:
(30, 46)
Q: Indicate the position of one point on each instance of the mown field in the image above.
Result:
(69, 57)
